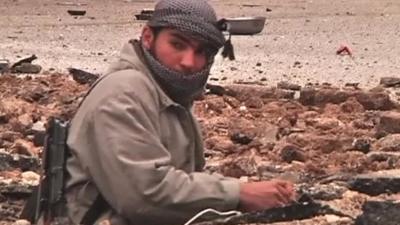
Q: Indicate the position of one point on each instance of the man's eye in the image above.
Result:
(201, 51)
(178, 45)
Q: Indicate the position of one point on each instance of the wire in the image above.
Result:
(209, 210)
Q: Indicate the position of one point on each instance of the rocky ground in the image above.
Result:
(339, 145)
(290, 107)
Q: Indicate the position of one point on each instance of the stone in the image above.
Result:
(309, 114)
(284, 94)
(371, 100)
(14, 187)
(384, 156)
(233, 102)
(83, 77)
(307, 95)
(361, 144)
(254, 102)
(35, 94)
(324, 143)
(25, 120)
(26, 68)
(30, 176)
(215, 89)
(362, 124)
(389, 143)
(4, 65)
(375, 100)
(390, 81)
(288, 86)
(291, 153)
(220, 145)
(351, 105)
(10, 136)
(25, 148)
(22, 222)
(376, 183)
(240, 166)
(324, 123)
(241, 138)
(5, 114)
(215, 105)
(379, 213)
(39, 133)
(326, 192)
(16, 161)
(242, 92)
(389, 123)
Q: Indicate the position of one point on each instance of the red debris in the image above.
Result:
(344, 50)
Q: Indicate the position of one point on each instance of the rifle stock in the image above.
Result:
(48, 197)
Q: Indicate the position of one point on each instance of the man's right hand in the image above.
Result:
(266, 194)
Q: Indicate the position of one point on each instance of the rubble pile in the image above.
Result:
(341, 146)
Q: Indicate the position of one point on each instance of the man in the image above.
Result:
(134, 142)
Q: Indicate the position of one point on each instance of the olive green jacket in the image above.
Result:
(141, 151)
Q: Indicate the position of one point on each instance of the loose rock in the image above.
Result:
(289, 86)
(83, 77)
(390, 81)
(389, 123)
(27, 68)
(361, 144)
(377, 183)
(290, 153)
(389, 143)
(241, 138)
(379, 213)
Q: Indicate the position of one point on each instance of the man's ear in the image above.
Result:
(147, 37)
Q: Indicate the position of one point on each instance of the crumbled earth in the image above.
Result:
(333, 143)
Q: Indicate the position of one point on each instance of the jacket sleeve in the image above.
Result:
(123, 154)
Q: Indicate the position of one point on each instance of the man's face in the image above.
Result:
(176, 50)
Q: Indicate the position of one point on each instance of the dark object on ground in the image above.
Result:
(4, 65)
(245, 25)
(379, 213)
(76, 12)
(305, 208)
(24, 60)
(26, 68)
(288, 86)
(17, 161)
(215, 89)
(145, 14)
(241, 138)
(83, 77)
(344, 50)
(290, 153)
(375, 184)
(362, 144)
(390, 81)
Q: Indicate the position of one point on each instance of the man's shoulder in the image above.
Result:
(130, 79)
(132, 84)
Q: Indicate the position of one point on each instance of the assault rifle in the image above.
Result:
(47, 202)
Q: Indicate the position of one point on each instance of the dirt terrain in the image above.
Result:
(289, 107)
(298, 43)
(322, 140)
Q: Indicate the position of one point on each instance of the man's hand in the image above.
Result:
(266, 194)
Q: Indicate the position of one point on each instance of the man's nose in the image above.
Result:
(188, 61)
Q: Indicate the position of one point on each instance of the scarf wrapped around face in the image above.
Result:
(180, 87)
(197, 20)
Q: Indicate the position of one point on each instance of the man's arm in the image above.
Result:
(121, 150)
